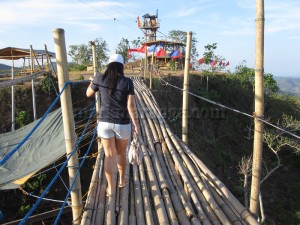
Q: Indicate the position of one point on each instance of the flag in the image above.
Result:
(175, 54)
(200, 61)
(213, 63)
(139, 22)
(152, 48)
(220, 63)
(141, 49)
(227, 64)
(160, 52)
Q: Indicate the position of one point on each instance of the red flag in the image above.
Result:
(220, 63)
(213, 63)
(227, 64)
(141, 49)
(160, 52)
(139, 22)
(176, 54)
(200, 61)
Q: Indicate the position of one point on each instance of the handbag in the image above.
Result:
(135, 153)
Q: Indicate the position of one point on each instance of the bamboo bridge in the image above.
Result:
(171, 185)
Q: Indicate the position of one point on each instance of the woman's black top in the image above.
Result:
(113, 108)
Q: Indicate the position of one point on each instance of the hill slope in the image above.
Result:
(289, 85)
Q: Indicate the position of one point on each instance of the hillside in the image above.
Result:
(289, 85)
(4, 67)
(222, 139)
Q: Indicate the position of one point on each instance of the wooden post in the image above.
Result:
(151, 70)
(97, 95)
(68, 121)
(259, 108)
(186, 89)
(32, 82)
(13, 104)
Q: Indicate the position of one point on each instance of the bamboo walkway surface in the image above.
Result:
(171, 185)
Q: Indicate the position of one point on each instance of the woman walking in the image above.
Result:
(117, 107)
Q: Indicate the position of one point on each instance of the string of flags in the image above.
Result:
(175, 54)
(214, 62)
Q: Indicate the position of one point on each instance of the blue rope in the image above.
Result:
(33, 129)
(75, 177)
(33, 208)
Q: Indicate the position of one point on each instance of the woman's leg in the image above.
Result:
(110, 152)
(121, 145)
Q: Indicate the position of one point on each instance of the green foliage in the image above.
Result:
(181, 36)
(22, 119)
(247, 76)
(49, 85)
(35, 182)
(122, 49)
(80, 77)
(82, 54)
(24, 209)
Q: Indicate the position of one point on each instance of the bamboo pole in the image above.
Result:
(13, 103)
(124, 200)
(32, 83)
(139, 208)
(185, 99)
(91, 200)
(68, 121)
(259, 108)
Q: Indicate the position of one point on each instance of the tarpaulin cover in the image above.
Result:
(45, 146)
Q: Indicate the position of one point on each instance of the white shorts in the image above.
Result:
(108, 130)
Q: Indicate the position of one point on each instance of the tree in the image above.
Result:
(80, 54)
(247, 76)
(208, 57)
(181, 36)
(276, 140)
(101, 52)
(122, 49)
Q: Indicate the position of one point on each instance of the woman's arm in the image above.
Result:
(89, 90)
(132, 112)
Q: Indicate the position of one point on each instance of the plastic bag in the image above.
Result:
(135, 153)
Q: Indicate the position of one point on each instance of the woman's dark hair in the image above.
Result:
(113, 70)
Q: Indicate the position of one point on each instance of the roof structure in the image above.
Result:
(12, 53)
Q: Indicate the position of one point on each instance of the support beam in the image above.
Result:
(68, 121)
(259, 108)
(186, 89)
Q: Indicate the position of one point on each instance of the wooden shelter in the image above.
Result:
(12, 53)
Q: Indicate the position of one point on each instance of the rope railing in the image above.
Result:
(227, 107)
(75, 177)
(33, 208)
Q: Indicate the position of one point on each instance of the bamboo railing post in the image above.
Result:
(68, 121)
(32, 83)
(259, 108)
(186, 89)
(13, 103)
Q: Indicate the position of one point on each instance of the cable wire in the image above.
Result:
(226, 107)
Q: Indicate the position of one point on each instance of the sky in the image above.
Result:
(229, 23)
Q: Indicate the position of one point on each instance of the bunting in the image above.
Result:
(175, 54)
(227, 64)
(213, 63)
(201, 61)
(160, 52)
(141, 49)
(139, 22)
